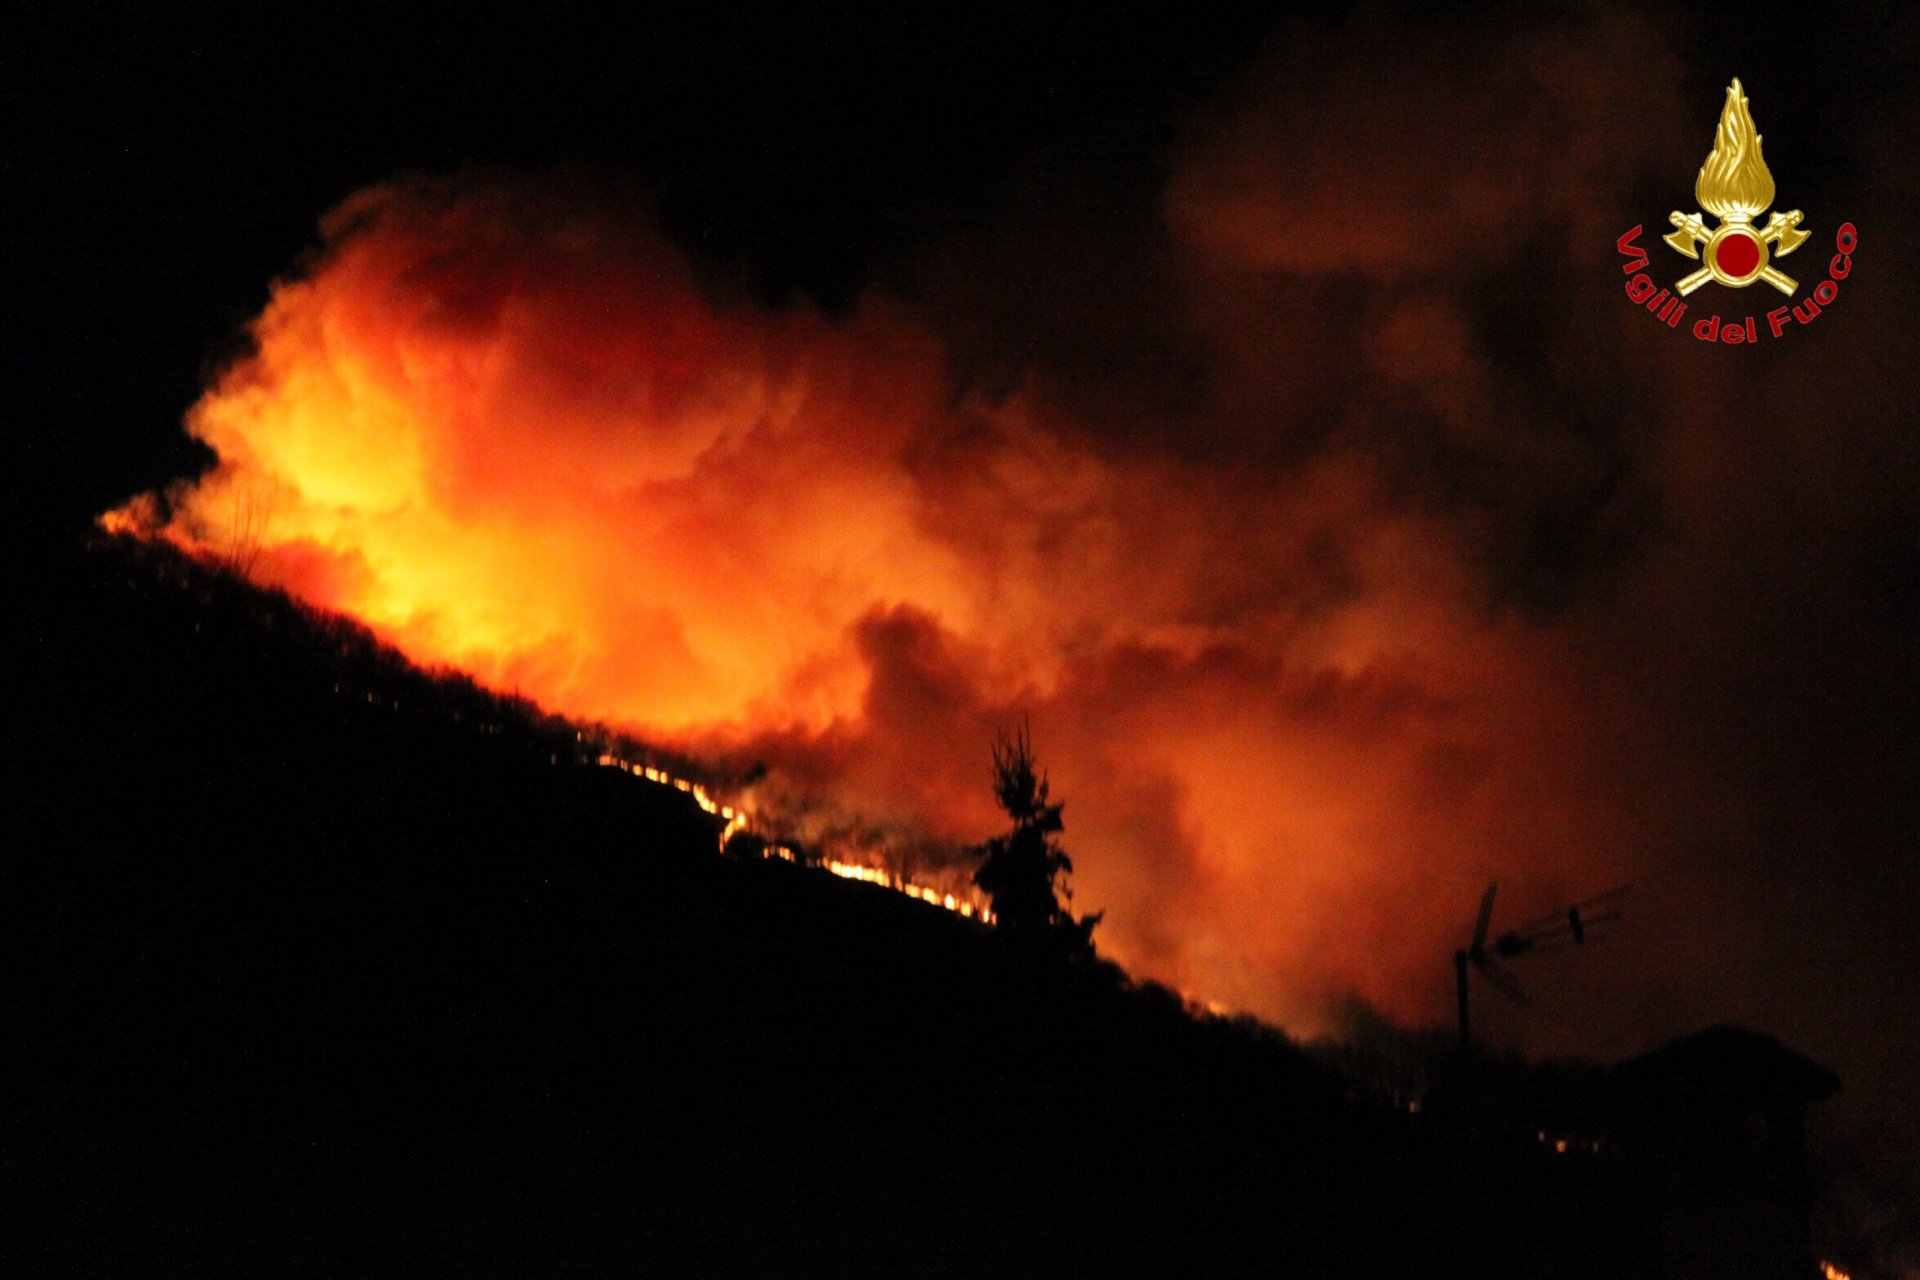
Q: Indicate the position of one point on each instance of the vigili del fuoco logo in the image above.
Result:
(1736, 187)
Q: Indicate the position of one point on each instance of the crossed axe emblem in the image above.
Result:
(1736, 252)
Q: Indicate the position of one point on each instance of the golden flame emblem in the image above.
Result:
(1736, 186)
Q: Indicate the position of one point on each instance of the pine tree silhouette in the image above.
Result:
(1024, 870)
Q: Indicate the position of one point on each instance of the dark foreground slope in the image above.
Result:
(322, 968)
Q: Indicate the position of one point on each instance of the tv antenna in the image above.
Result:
(1556, 931)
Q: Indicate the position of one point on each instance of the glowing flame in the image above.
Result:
(736, 820)
(1734, 183)
(968, 907)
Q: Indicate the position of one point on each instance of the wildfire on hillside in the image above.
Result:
(1285, 459)
(737, 820)
(1324, 617)
(511, 433)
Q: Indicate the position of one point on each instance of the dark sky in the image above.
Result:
(172, 168)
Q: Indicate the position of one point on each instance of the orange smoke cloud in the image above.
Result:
(512, 432)
(515, 439)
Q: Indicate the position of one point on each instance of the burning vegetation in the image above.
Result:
(511, 431)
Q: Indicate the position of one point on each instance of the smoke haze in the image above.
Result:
(1348, 538)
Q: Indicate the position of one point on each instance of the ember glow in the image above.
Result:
(967, 902)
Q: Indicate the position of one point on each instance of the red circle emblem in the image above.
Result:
(1737, 254)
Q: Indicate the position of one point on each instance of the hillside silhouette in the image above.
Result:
(329, 966)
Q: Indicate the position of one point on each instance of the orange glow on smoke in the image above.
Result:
(514, 434)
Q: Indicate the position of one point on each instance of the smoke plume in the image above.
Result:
(1347, 537)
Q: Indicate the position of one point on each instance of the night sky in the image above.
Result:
(1297, 345)
(172, 169)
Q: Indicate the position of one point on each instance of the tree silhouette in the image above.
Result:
(1024, 870)
(251, 511)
